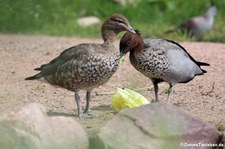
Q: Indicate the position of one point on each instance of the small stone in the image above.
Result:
(88, 21)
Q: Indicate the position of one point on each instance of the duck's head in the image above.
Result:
(116, 23)
(131, 42)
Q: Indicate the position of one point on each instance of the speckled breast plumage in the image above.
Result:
(90, 72)
(151, 62)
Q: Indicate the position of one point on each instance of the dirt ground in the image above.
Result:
(203, 97)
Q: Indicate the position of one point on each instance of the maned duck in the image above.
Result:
(86, 66)
(161, 60)
(196, 26)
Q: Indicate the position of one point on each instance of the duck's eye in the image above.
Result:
(119, 20)
(128, 43)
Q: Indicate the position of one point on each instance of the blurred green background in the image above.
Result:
(151, 17)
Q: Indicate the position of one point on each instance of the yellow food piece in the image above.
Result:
(126, 98)
(122, 60)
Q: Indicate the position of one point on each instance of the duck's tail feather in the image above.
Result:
(38, 69)
(37, 76)
(203, 64)
(204, 71)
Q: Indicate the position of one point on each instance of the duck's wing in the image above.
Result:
(165, 47)
(183, 49)
(75, 54)
(64, 55)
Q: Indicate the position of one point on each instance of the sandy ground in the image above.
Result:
(203, 97)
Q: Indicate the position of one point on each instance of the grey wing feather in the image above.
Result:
(165, 45)
(198, 63)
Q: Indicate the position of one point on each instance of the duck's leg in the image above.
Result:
(77, 98)
(88, 97)
(87, 110)
(85, 114)
(155, 91)
(170, 92)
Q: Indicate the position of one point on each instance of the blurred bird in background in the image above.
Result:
(197, 26)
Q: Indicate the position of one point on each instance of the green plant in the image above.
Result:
(58, 17)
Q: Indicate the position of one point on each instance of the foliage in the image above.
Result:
(58, 17)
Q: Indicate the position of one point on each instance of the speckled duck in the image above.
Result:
(86, 66)
(161, 60)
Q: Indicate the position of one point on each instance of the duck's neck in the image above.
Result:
(140, 46)
(109, 36)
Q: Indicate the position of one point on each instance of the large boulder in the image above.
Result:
(155, 126)
(31, 128)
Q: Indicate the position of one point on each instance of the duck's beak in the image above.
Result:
(120, 56)
(131, 29)
(122, 53)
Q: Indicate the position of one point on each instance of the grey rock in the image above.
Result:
(88, 21)
(155, 126)
(125, 2)
(31, 128)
